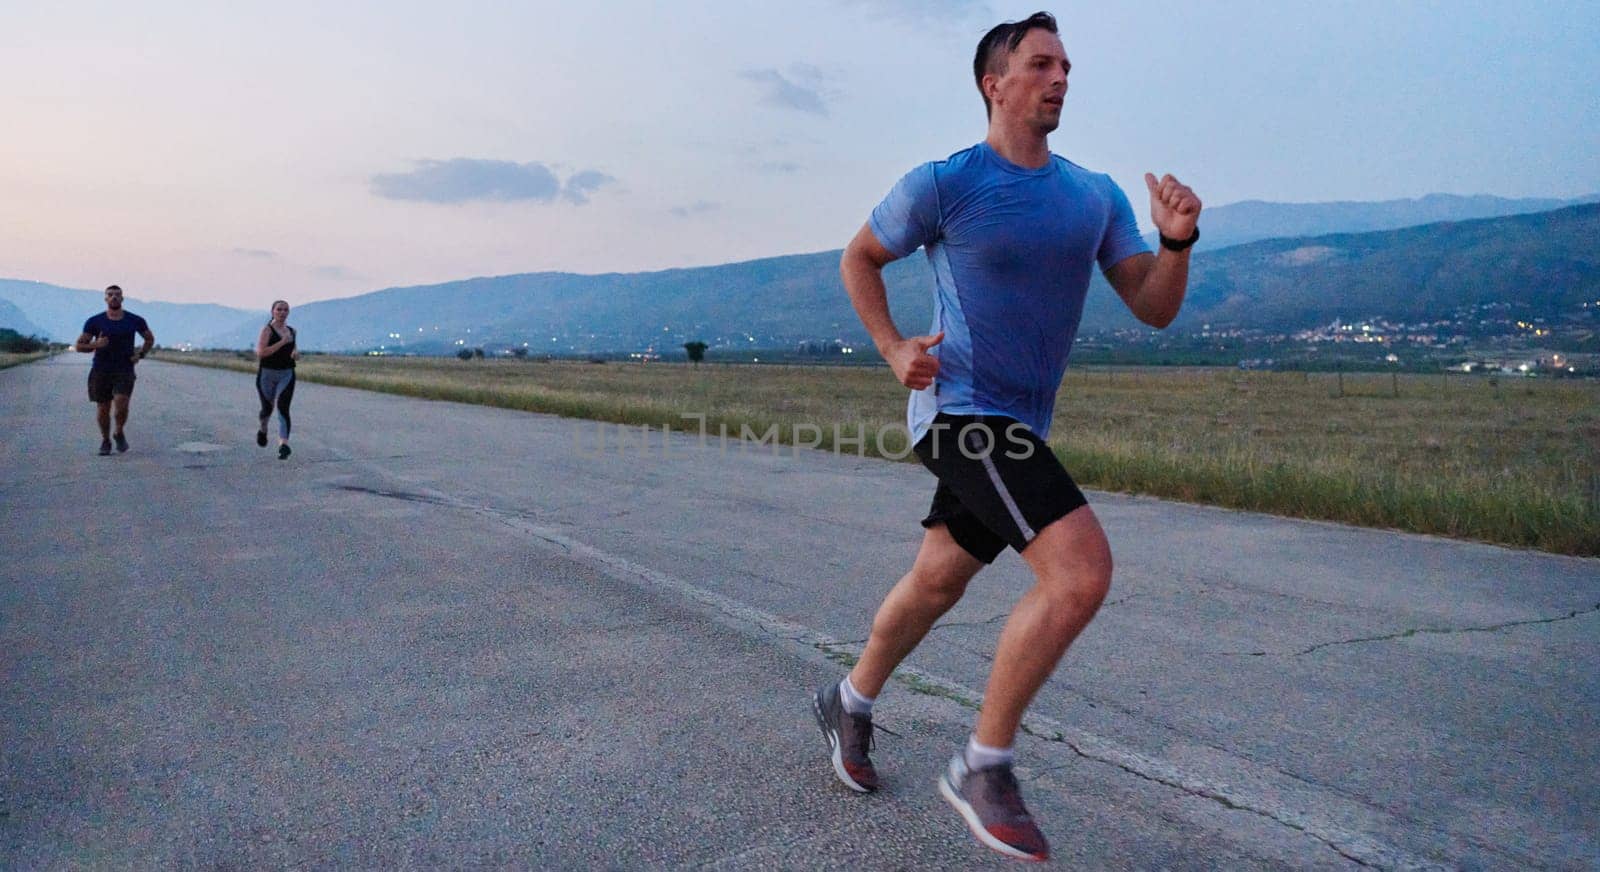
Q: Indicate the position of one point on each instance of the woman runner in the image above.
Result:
(275, 348)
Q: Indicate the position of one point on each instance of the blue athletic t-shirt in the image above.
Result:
(118, 356)
(1011, 249)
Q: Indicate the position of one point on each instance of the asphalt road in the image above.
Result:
(445, 635)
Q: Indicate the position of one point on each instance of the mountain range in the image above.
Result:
(58, 313)
(1544, 262)
(1251, 220)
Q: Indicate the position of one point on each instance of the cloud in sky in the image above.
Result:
(699, 207)
(583, 183)
(780, 167)
(465, 179)
(334, 273)
(786, 93)
(330, 272)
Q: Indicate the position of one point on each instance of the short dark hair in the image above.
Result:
(990, 59)
(110, 288)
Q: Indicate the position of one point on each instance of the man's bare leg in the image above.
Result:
(102, 416)
(936, 581)
(1071, 562)
(120, 402)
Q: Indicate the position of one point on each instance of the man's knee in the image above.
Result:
(1072, 560)
(941, 586)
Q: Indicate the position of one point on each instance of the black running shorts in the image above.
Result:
(102, 385)
(999, 484)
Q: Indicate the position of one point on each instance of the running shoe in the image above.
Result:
(122, 442)
(990, 801)
(849, 739)
(283, 451)
(105, 447)
(261, 438)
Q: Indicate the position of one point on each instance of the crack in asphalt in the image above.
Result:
(984, 623)
(1420, 631)
(1210, 588)
(1341, 791)
(1205, 793)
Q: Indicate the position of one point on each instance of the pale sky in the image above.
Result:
(239, 152)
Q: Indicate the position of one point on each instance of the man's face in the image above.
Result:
(113, 300)
(1035, 82)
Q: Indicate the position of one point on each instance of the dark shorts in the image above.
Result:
(102, 385)
(999, 484)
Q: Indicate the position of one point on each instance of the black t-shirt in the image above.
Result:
(283, 358)
(118, 356)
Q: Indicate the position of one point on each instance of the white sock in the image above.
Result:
(981, 756)
(853, 701)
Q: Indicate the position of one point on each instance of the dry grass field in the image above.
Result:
(1508, 460)
(9, 358)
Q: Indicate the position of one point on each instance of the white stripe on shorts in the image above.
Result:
(1005, 497)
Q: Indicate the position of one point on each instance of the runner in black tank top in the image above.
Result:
(275, 348)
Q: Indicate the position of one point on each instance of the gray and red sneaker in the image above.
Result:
(849, 739)
(990, 801)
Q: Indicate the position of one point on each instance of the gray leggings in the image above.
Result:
(275, 387)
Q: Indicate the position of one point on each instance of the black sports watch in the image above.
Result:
(1171, 244)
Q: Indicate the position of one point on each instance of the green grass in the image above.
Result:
(1511, 461)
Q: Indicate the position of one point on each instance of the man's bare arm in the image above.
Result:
(1153, 285)
(89, 344)
(861, 268)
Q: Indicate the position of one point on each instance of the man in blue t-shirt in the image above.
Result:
(1012, 232)
(109, 336)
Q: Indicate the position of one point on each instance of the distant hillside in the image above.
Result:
(60, 312)
(775, 300)
(1545, 262)
(1252, 220)
(12, 318)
